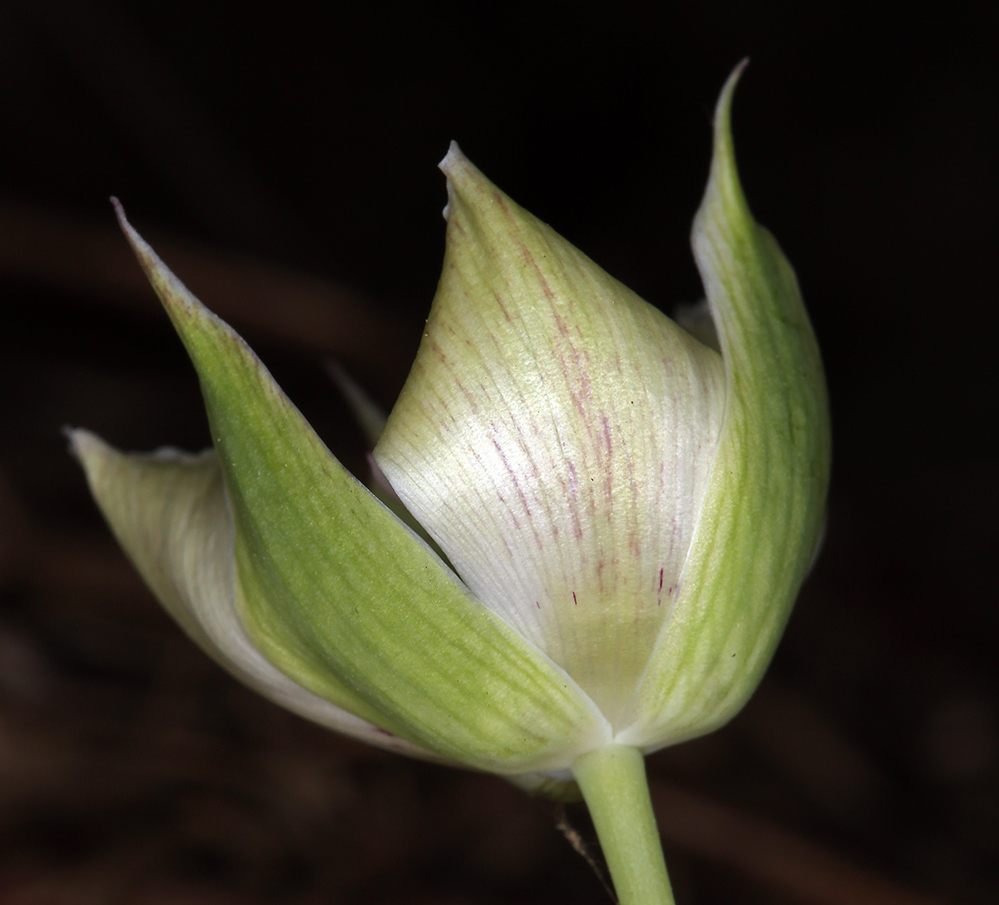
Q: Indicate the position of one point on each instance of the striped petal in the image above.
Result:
(763, 510)
(554, 437)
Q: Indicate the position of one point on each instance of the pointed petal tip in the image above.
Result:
(81, 442)
(171, 291)
(724, 187)
(452, 161)
(723, 109)
(135, 240)
(454, 156)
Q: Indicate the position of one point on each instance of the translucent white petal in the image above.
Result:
(169, 512)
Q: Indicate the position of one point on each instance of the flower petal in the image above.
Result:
(554, 437)
(762, 515)
(168, 510)
(339, 595)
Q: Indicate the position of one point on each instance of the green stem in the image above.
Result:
(616, 791)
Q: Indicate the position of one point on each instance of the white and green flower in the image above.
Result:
(627, 513)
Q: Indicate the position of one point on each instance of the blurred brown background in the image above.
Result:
(283, 163)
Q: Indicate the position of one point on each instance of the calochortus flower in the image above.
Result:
(627, 512)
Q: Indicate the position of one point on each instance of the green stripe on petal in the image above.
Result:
(762, 514)
(338, 594)
(554, 437)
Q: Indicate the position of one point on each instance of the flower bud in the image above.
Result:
(627, 512)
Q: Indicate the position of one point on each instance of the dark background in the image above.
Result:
(283, 163)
